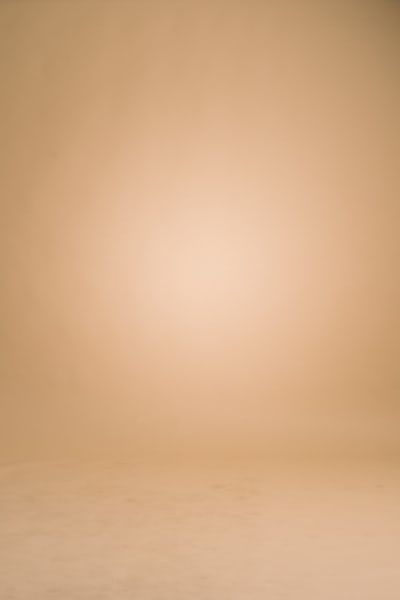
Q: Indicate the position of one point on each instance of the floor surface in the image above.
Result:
(155, 532)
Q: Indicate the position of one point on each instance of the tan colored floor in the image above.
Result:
(123, 531)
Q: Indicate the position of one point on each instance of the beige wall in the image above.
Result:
(270, 129)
